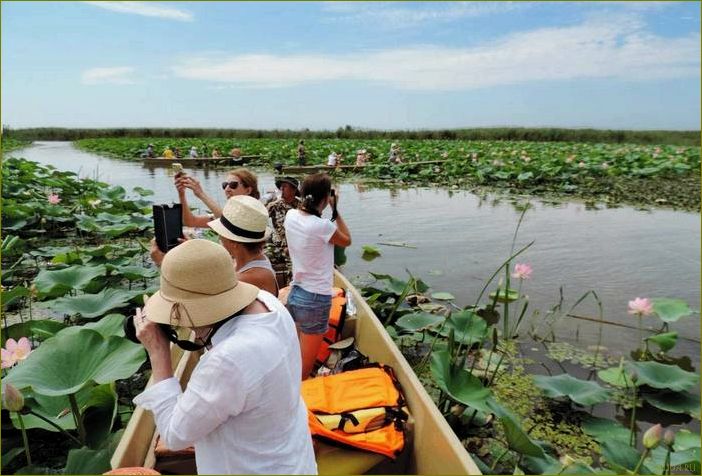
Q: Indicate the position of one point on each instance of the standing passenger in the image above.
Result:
(311, 241)
(278, 252)
(301, 160)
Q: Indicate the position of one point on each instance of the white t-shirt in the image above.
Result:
(311, 253)
(242, 408)
(331, 159)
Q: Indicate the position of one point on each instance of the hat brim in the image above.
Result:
(203, 311)
(280, 182)
(218, 228)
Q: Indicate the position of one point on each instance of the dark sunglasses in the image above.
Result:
(233, 185)
(186, 345)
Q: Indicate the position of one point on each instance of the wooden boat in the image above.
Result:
(433, 449)
(200, 161)
(313, 169)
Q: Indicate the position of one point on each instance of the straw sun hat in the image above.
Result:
(244, 219)
(199, 287)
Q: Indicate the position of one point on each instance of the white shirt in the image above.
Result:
(193, 153)
(331, 159)
(311, 253)
(242, 408)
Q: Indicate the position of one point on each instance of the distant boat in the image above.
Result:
(313, 169)
(200, 161)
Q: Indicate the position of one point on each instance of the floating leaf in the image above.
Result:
(671, 310)
(370, 252)
(579, 391)
(10, 296)
(604, 429)
(418, 321)
(92, 305)
(58, 283)
(616, 376)
(64, 366)
(443, 296)
(621, 457)
(675, 402)
(665, 341)
(431, 307)
(110, 325)
(40, 329)
(664, 376)
(510, 296)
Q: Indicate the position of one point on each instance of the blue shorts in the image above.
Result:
(310, 311)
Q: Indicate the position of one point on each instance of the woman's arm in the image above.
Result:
(342, 235)
(190, 219)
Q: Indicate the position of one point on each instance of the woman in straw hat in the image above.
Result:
(243, 230)
(311, 241)
(242, 408)
(239, 181)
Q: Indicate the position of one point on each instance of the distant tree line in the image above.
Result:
(348, 132)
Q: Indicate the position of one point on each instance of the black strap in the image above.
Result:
(240, 231)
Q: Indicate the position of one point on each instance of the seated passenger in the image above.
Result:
(168, 153)
(193, 152)
(332, 160)
(216, 154)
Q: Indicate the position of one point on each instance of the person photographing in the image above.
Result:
(311, 240)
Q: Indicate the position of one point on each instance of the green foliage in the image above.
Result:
(665, 340)
(579, 391)
(460, 384)
(369, 253)
(664, 376)
(56, 283)
(418, 321)
(671, 310)
(92, 305)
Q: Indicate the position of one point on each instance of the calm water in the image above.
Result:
(461, 239)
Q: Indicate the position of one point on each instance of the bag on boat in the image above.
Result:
(361, 408)
(337, 315)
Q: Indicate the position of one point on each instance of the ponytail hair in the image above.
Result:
(315, 188)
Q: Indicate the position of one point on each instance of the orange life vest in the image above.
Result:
(337, 313)
(346, 398)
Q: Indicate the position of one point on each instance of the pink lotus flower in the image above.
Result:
(54, 199)
(522, 271)
(15, 351)
(640, 307)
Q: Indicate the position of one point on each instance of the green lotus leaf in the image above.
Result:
(114, 231)
(604, 429)
(66, 365)
(418, 321)
(144, 192)
(616, 376)
(579, 391)
(431, 307)
(14, 294)
(443, 296)
(668, 377)
(671, 310)
(685, 439)
(689, 459)
(88, 461)
(50, 251)
(11, 455)
(112, 218)
(110, 325)
(621, 457)
(99, 415)
(500, 295)
(58, 283)
(40, 329)
(69, 258)
(393, 285)
(132, 273)
(468, 327)
(113, 194)
(665, 341)
(459, 383)
(370, 252)
(92, 305)
(517, 438)
(675, 402)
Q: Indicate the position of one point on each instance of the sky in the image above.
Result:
(324, 65)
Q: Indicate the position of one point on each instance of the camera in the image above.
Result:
(130, 330)
(333, 192)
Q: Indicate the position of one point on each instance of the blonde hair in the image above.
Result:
(248, 179)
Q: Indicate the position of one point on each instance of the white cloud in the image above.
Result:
(395, 15)
(148, 9)
(616, 47)
(111, 75)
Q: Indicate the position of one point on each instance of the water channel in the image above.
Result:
(458, 239)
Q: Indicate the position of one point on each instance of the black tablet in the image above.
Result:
(168, 225)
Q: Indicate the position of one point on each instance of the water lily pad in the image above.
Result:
(66, 365)
(671, 310)
(500, 295)
(57, 283)
(370, 252)
(579, 391)
(665, 341)
(92, 305)
(675, 402)
(664, 376)
(443, 296)
(418, 321)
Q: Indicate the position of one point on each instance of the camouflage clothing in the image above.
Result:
(277, 247)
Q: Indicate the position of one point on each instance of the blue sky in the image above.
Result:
(321, 65)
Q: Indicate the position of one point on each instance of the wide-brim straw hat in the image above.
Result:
(244, 219)
(199, 287)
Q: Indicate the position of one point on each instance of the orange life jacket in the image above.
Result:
(337, 313)
(345, 397)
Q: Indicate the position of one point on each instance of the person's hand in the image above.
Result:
(334, 199)
(191, 183)
(156, 254)
(149, 334)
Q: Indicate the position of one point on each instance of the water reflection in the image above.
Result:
(461, 238)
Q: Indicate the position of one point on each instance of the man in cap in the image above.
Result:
(277, 250)
(242, 409)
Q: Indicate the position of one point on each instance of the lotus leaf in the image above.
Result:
(685, 439)
(616, 376)
(675, 402)
(144, 192)
(50, 251)
(443, 296)
(621, 457)
(87, 461)
(92, 305)
(113, 193)
(393, 285)
(58, 283)
(579, 391)
(370, 252)
(431, 307)
(517, 438)
(689, 459)
(132, 273)
(110, 325)
(459, 383)
(604, 429)
(99, 415)
(664, 376)
(468, 327)
(70, 257)
(66, 365)
(40, 329)
(418, 321)
(665, 341)
(500, 296)
(12, 295)
(671, 310)
(10, 455)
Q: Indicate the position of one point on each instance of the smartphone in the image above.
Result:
(168, 225)
(177, 169)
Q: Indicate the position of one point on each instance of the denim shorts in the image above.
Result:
(310, 311)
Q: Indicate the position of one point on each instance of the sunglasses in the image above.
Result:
(233, 185)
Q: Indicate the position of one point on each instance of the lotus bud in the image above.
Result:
(457, 410)
(12, 399)
(653, 436)
(669, 438)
